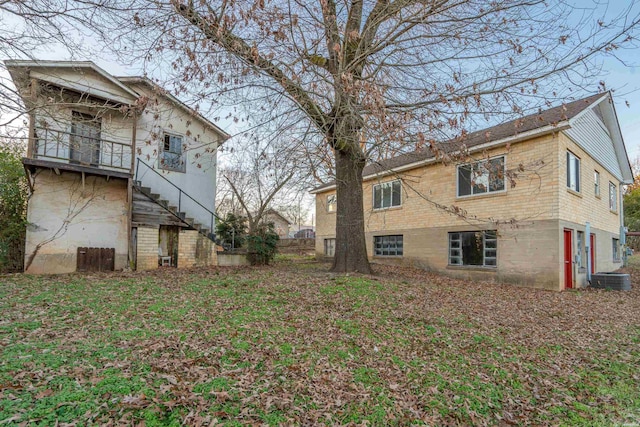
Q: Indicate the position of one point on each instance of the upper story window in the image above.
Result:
(84, 140)
(387, 194)
(596, 183)
(573, 172)
(486, 176)
(171, 156)
(613, 197)
(332, 203)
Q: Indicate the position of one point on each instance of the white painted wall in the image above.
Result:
(200, 147)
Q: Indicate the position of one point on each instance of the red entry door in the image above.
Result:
(592, 252)
(568, 264)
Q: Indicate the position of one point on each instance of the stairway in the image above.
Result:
(174, 210)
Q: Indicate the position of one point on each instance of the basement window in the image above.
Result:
(474, 248)
(329, 247)
(388, 245)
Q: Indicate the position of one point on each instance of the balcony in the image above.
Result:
(86, 150)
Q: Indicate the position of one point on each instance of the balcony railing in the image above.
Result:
(81, 149)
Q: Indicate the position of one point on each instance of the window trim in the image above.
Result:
(613, 207)
(577, 176)
(333, 247)
(504, 171)
(396, 255)
(163, 165)
(484, 250)
(334, 203)
(615, 250)
(596, 183)
(373, 195)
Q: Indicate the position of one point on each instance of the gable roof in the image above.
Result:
(126, 95)
(537, 124)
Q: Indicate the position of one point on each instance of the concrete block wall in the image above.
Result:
(147, 248)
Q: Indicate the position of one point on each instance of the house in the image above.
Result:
(122, 174)
(540, 204)
(280, 223)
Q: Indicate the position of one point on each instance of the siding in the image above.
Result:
(590, 133)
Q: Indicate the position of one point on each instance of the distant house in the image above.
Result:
(280, 223)
(122, 173)
(305, 232)
(558, 221)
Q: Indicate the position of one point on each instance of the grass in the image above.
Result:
(293, 344)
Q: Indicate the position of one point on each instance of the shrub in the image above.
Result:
(13, 207)
(232, 231)
(261, 244)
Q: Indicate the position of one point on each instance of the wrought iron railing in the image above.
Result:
(146, 175)
(86, 150)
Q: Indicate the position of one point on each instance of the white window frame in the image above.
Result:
(486, 175)
(332, 203)
(596, 183)
(384, 187)
(330, 247)
(489, 249)
(394, 243)
(613, 197)
(573, 172)
(615, 249)
(182, 167)
(580, 250)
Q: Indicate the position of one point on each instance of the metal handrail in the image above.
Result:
(180, 191)
(58, 139)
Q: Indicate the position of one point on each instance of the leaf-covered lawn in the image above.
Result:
(295, 345)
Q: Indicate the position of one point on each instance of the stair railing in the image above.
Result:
(181, 193)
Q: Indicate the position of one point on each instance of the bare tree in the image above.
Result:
(263, 171)
(372, 78)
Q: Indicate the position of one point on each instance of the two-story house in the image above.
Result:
(537, 201)
(122, 174)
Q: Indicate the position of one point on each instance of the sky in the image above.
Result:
(621, 75)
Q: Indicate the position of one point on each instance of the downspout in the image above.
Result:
(623, 231)
(587, 246)
(130, 256)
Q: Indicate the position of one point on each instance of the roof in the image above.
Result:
(16, 63)
(120, 82)
(151, 84)
(547, 121)
(276, 213)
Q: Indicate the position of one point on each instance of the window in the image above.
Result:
(613, 197)
(84, 141)
(573, 172)
(580, 252)
(479, 248)
(388, 245)
(332, 203)
(329, 247)
(596, 182)
(616, 249)
(387, 195)
(171, 155)
(482, 177)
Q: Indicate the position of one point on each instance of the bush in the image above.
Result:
(13, 208)
(261, 244)
(232, 231)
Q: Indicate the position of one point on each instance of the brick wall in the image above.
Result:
(147, 249)
(187, 241)
(533, 210)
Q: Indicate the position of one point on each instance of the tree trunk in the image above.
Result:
(350, 251)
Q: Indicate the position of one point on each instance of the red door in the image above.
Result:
(592, 253)
(568, 264)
